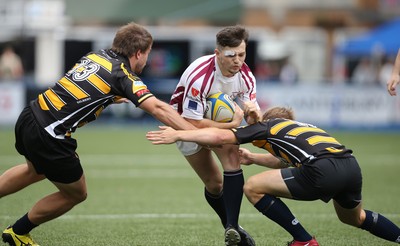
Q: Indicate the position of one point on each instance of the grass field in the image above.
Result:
(147, 195)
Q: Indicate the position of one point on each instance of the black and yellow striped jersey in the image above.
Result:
(96, 81)
(298, 143)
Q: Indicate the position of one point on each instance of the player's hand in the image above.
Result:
(244, 156)
(118, 100)
(392, 83)
(251, 112)
(166, 135)
(238, 116)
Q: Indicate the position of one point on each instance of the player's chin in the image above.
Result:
(234, 70)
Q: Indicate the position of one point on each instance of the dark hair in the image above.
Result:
(279, 112)
(131, 38)
(232, 36)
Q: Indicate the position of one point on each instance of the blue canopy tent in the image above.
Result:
(384, 40)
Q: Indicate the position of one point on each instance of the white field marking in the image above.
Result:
(166, 159)
(181, 216)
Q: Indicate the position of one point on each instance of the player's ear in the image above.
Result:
(137, 54)
(217, 52)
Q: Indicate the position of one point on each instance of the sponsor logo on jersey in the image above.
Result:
(192, 105)
(235, 94)
(295, 221)
(138, 83)
(141, 92)
(84, 100)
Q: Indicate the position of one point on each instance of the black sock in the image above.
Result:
(381, 227)
(23, 225)
(217, 203)
(278, 212)
(233, 194)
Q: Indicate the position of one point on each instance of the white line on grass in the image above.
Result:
(175, 216)
(164, 159)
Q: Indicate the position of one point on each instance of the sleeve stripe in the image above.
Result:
(144, 98)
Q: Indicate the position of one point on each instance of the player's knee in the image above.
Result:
(82, 197)
(355, 220)
(214, 188)
(249, 188)
(350, 213)
(76, 197)
(213, 184)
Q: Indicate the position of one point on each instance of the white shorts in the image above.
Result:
(188, 148)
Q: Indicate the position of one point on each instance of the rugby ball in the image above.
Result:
(219, 107)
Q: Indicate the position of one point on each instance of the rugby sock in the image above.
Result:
(217, 203)
(23, 225)
(381, 227)
(277, 211)
(233, 194)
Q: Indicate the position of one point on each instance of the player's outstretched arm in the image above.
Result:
(205, 136)
(395, 77)
(165, 113)
(262, 159)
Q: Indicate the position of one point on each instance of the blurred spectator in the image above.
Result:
(10, 65)
(385, 71)
(365, 73)
(289, 74)
(265, 71)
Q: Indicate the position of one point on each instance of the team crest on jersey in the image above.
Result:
(195, 92)
(252, 96)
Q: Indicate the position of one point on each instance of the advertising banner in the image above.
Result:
(334, 106)
(12, 101)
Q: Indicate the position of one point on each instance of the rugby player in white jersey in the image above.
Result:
(224, 71)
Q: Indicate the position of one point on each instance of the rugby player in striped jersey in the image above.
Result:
(306, 164)
(44, 129)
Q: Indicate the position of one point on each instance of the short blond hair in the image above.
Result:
(279, 112)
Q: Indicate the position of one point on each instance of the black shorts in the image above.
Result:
(329, 178)
(55, 158)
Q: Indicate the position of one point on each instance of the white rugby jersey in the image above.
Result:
(203, 78)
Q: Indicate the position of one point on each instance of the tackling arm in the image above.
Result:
(205, 136)
(165, 113)
(266, 160)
